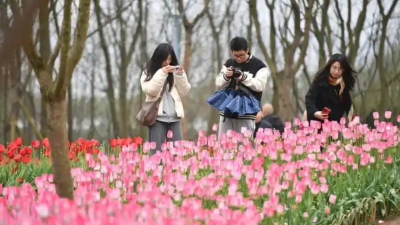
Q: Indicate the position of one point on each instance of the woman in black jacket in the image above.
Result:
(331, 89)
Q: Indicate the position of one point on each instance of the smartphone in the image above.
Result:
(176, 68)
(326, 110)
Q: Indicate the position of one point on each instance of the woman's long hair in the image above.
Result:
(348, 72)
(161, 54)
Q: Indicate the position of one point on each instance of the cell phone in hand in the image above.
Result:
(326, 110)
(176, 68)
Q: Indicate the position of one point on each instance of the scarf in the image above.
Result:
(340, 81)
(337, 81)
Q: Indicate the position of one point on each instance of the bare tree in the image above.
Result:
(142, 60)
(216, 31)
(92, 103)
(351, 46)
(284, 79)
(54, 91)
(125, 53)
(321, 32)
(384, 92)
(108, 70)
(187, 56)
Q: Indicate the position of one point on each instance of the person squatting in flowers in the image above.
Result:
(163, 67)
(253, 78)
(330, 89)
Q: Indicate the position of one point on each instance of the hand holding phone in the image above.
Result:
(178, 69)
(322, 115)
(326, 111)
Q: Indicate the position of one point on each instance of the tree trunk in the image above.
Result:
(187, 57)
(249, 29)
(45, 51)
(43, 118)
(186, 65)
(92, 104)
(285, 104)
(59, 153)
(70, 115)
(5, 104)
(108, 71)
(214, 115)
(123, 103)
(55, 92)
(14, 120)
(15, 90)
(275, 95)
(384, 91)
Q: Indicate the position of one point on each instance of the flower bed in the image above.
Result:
(274, 180)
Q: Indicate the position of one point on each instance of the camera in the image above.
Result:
(236, 72)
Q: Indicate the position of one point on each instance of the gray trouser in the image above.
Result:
(235, 125)
(158, 133)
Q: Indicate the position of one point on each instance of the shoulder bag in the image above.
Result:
(147, 116)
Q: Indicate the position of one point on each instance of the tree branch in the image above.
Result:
(306, 38)
(189, 25)
(341, 25)
(44, 32)
(54, 55)
(110, 19)
(254, 12)
(348, 25)
(57, 47)
(75, 54)
(272, 35)
(137, 33)
(355, 33)
(64, 38)
(34, 59)
(80, 38)
(53, 5)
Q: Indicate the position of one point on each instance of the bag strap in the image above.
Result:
(245, 90)
(163, 90)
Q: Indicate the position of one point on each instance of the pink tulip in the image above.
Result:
(332, 199)
(375, 115)
(356, 120)
(288, 165)
(388, 114)
(215, 127)
(327, 211)
(324, 188)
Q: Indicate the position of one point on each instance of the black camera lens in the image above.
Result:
(236, 73)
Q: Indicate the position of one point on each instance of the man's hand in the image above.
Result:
(229, 72)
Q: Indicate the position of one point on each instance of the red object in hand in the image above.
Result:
(326, 110)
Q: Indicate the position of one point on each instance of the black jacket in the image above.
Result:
(262, 124)
(275, 121)
(322, 94)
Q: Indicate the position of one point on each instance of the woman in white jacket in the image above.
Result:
(163, 67)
